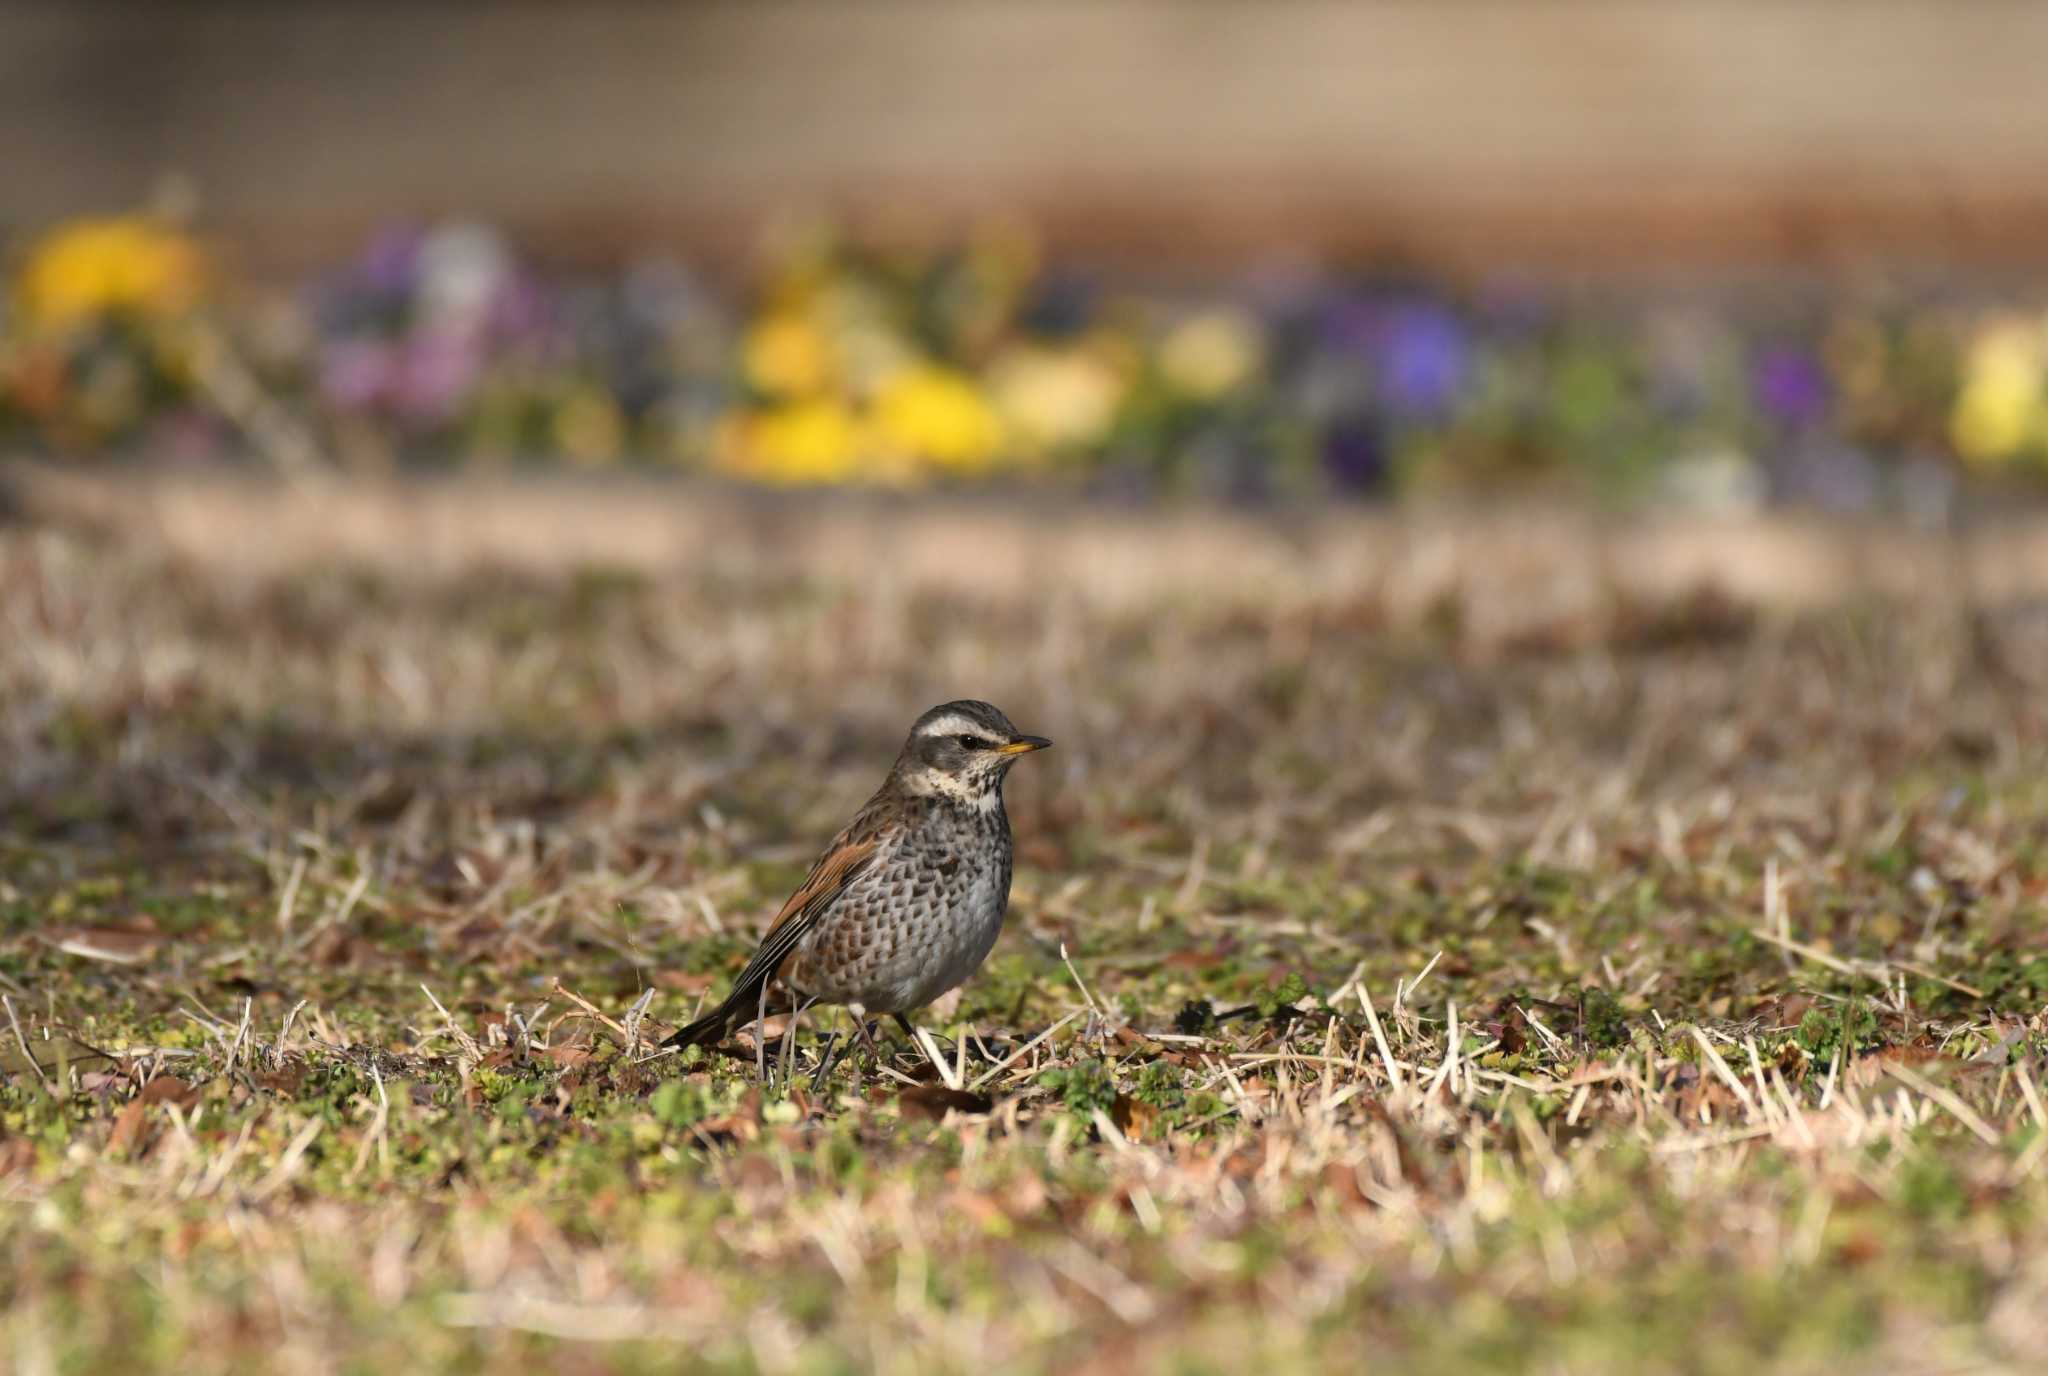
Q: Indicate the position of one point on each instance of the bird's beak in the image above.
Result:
(1023, 745)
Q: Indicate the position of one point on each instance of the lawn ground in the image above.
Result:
(1462, 942)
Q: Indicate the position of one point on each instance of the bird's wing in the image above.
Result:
(836, 868)
(849, 855)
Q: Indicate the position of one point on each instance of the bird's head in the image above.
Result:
(962, 750)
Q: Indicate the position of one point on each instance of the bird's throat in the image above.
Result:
(981, 793)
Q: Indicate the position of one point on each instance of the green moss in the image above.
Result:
(1084, 1087)
(1846, 1026)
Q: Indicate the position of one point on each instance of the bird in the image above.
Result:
(908, 899)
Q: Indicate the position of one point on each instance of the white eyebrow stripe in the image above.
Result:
(953, 724)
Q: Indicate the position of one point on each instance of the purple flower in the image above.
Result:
(1355, 454)
(1423, 360)
(390, 265)
(357, 374)
(1789, 386)
(440, 369)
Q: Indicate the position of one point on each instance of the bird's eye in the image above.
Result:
(972, 742)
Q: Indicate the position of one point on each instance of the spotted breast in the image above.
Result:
(920, 919)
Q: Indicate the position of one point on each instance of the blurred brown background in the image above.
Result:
(1907, 130)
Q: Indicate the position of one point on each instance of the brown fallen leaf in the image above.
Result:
(286, 1080)
(109, 945)
(734, 1127)
(128, 1135)
(1133, 1117)
(169, 1089)
(932, 1102)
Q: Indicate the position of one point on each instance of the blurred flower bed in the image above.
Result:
(984, 362)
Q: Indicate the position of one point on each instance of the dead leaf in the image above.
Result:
(1133, 1117)
(932, 1102)
(169, 1089)
(1509, 1027)
(127, 1136)
(286, 1080)
(110, 945)
(734, 1127)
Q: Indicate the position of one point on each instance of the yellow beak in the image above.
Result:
(1023, 745)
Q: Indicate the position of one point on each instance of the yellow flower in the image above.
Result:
(89, 268)
(938, 414)
(1056, 398)
(2000, 409)
(786, 355)
(803, 442)
(871, 355)
(1210, 354)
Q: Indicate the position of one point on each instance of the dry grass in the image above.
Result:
(1630, 943)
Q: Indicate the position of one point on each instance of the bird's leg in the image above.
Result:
(866, 1030)
(760, 1036)
(973, 1038)
(826, 1060)
(789, 1039)
(866, 1033)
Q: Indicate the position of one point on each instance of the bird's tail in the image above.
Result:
(739, 1006)
(708, 1028)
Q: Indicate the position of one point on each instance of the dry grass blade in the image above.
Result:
(1726, 1075)
(1021, 1052)
(1945, 1097)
